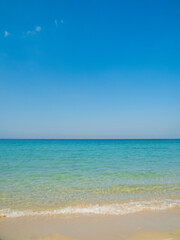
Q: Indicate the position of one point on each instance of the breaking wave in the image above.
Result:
(106, 209)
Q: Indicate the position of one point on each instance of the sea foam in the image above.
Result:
(106, 209)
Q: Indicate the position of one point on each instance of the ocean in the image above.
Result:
(44, 177)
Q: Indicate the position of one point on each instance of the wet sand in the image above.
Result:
(154, 225)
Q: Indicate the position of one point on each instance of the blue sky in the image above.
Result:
(89, 69)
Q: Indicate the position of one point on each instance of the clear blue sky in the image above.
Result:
(89, 69)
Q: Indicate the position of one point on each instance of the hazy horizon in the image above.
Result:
(89, 138)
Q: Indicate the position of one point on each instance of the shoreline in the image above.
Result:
(96, 227)
(123, 208)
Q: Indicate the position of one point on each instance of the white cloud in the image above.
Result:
(6, 34)
(62, 21)
(56, 22)
(38, 28)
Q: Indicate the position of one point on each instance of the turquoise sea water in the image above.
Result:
(96, 176)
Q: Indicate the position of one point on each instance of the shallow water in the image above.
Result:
(73, 175)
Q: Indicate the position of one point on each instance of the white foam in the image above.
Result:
(108, 209)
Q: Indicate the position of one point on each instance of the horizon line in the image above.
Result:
(89, 138)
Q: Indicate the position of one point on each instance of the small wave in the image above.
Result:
(107, 209)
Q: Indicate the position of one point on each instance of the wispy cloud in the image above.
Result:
(55, 21)
(37, 29)
(6, 34)
(30, 32)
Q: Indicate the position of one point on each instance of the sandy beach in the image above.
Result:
(156, 225)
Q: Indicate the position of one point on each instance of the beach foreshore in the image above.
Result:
(148, 225)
